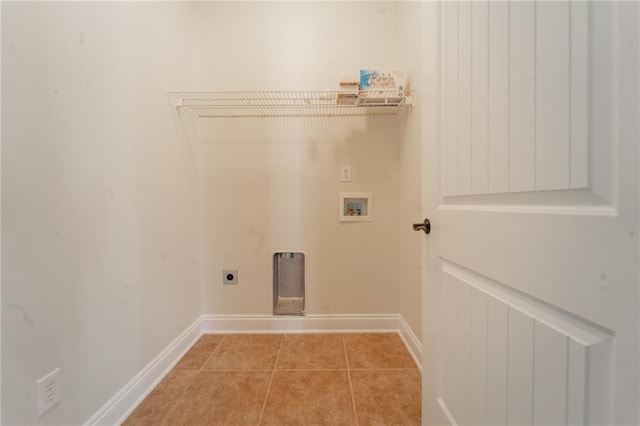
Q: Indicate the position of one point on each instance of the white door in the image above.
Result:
(530, 127)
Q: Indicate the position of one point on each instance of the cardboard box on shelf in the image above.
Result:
(381, 80)
(349, 85)
(381, 87)
(349, 82)
(347, 98)
(377, 97)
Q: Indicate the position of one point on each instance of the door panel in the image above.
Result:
(514, 95)
(531, 297)
(522, 99)
(479, 355)
(497, 342)
(479, 97)
(553, 94)
(520, 362)
(498, 102)
(533, 355)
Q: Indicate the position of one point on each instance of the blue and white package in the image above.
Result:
(381, 80)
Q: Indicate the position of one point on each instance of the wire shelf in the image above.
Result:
(291, 104)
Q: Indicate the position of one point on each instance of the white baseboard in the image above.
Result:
(298, 324)
(122, 404)
(315, 324)
(118, 408)
(446, 412)
(411, 341)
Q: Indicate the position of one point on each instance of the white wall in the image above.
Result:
(410, 243)
(273, 184)
(116, 224)
(100, 214)
(292, 45)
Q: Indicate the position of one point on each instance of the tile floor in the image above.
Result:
(290, 379)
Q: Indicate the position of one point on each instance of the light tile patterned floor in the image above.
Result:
(290, 379)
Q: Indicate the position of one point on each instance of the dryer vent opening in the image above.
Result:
(288, 283)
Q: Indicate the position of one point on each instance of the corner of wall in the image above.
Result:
(121, 405)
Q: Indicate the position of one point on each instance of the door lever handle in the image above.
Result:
(424, 226)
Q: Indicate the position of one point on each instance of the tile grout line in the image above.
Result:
(385, 369)
(236, 370)
(181, 396)
(311, 369)
(353, 398)
(175, 403)
(211, 354)
(273, 373)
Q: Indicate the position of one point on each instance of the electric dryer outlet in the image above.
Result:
(230, 276)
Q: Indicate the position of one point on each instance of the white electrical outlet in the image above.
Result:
(49, 392)
(345, 173)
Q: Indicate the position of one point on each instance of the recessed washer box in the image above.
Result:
(288, 283)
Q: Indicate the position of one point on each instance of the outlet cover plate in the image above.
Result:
(230, 276)
(345, 173)
(48, 391)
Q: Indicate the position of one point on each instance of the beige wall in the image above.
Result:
(117, 221)
(99, 207)
(292, 45)
(268, 190)
(411, 244)
(273, 184)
